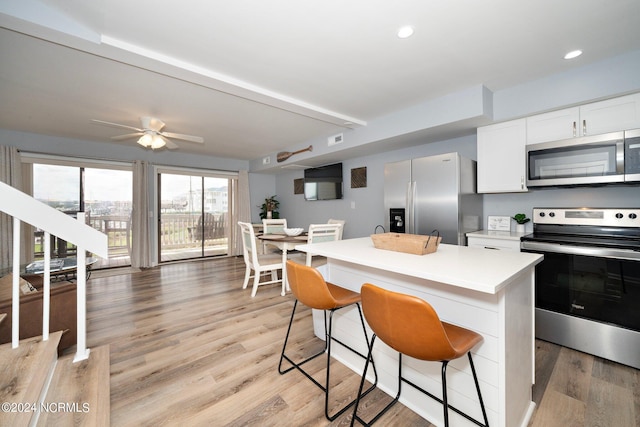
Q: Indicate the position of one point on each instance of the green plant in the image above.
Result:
(521, 218)
(270, 204)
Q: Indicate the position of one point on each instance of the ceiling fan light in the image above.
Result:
(146, 140)
(157, 142)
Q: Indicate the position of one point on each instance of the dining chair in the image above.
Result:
(272, 226)
(259, 263)
(319, 233)
(338, 221)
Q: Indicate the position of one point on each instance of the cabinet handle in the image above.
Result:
(521, 182)
(574, 129)
(584, 127)
(492, 248)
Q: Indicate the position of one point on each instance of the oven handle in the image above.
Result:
(581, 250)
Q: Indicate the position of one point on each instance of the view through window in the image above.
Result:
(194, 216)
(105, 197)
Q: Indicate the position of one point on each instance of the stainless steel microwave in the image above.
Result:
(598, 159)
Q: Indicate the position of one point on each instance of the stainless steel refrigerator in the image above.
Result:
(433, 193)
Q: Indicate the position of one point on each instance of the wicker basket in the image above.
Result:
(408, 243)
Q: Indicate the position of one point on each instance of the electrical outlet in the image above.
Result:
(335, 139)
(266, 160)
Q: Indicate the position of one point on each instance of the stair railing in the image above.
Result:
(24, 208)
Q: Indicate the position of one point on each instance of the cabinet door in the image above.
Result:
(612, 115)
(561, 124)
(495, 244)
(501, 157)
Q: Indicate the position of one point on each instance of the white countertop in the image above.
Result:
(494, 234)
(471, 268)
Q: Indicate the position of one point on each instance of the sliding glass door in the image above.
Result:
(105, 195)
(193, 215)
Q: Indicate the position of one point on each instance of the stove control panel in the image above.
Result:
(614, 217)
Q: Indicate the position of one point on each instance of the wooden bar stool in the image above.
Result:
(310, 288)
(411, 326)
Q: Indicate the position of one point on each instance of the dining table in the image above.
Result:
(285, 243)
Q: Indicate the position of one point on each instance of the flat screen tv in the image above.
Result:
(323, 183)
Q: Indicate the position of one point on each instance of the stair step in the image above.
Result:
(24, 373)
(79, 393)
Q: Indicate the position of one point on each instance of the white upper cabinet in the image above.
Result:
(501, 157)
(611, 115)
(591, 119)
(561, 124)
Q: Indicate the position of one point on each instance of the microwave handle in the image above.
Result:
(620, 157)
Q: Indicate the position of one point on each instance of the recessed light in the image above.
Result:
(406, 31)
(573, 54)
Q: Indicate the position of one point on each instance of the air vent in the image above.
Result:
(336, 139)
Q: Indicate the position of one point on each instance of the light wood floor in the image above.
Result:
(190, 347)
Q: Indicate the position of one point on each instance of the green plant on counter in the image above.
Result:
(521, 218)
(270, 204)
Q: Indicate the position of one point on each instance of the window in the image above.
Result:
(102, 191)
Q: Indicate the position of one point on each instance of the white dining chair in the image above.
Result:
(258, 263)
(322, 233)
(272, 226)
(338, 221)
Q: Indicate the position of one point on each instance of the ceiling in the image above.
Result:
(256, 77)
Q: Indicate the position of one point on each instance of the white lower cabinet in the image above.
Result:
(495, 240)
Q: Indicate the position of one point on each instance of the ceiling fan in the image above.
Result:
(151, 134)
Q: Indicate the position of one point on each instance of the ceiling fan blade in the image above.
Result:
(170, 144)
(183, 137)
(152, 123)
(127, 136)
(101, 122)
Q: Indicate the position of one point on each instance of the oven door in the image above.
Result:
(592, 283)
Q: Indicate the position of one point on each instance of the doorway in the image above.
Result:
(194, 212)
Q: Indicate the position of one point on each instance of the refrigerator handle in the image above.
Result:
(411, 196)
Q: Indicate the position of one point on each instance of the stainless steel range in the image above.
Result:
(588, 285)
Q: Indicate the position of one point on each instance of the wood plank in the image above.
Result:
(79, 393)
(559, 410)
(609, 404)
(24, 372)
(572, 374)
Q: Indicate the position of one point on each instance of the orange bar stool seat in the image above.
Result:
(412, 327)
(310, 288)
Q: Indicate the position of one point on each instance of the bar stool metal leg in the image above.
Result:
(444, 401)
(327, 348)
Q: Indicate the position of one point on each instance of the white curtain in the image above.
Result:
(242, 212)
(10, 173)
(140, 241)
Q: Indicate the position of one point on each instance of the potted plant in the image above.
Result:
(521, 219)
(269, 208)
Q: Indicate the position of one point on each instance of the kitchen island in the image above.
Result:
(490, 292)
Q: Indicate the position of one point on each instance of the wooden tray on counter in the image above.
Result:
(408, 243)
